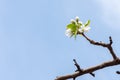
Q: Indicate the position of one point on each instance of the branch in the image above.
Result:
(107, 45)
(80, 71)
(89, 70)
(78, 66)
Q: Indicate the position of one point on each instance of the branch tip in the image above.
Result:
(110, 38)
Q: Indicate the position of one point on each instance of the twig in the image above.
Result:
(107, 45)
(115, 61)
(92, 69)
(79, 69)
(77, 66)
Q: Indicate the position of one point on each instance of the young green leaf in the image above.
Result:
(87, 23)
(73, 27)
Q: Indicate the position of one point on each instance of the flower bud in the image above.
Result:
(77, 18)
(80, 22)
(72, 21)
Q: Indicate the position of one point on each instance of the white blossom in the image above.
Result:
(80, 22)
(72, 21)
(84, 28)
(77, 18)
(76, 26)
(80, 30)
(68, 33)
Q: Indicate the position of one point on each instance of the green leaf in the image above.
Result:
(73, 27)
(87, 23)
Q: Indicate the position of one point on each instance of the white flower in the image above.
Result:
(80, 22)
(76, 26)
(77, 18)
(72, 21)
(84, 28)
(80, 30)
(69, 33)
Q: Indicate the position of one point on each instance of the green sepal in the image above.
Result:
(87, 23)
(75, 34)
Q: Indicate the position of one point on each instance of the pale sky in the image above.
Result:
(33, 45)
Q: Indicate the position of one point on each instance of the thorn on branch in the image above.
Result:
(74, 78)
(118, 72)
(92, 74)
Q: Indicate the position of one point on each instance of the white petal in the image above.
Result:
(77, 18)
(80, 30)
(87, 29)
(72, 21)
(80, 22)
(68, 30)
(68, 33)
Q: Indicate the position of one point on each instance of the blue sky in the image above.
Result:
(33, 45)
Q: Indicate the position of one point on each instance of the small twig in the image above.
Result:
(77, 66)
(91, 69)
(107, 45)
(79, 72)
(79, 69)
(110, 38)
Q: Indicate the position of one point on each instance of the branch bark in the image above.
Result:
(115, 61)
(92, 69)
(107, 45)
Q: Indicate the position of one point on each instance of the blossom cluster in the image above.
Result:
(77, 26)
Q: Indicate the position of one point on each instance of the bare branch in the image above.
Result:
(79, 69)
(92, 69)
(77, 65)
(107, 45)
(79, 72)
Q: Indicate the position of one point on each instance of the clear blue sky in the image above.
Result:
(33, 45)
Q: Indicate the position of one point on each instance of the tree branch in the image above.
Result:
(92, 69)
(107, 45)
(79, 69)
(79, 72)
(77, 66)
